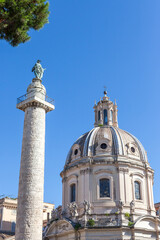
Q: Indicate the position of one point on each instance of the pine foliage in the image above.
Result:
(17, 17)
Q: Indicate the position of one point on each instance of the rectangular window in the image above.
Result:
(99, 115)
(104, 187)
(73, 192)
(13, 226)
(137, 190)
(105, 116)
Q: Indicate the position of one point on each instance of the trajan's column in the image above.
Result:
(35, 104)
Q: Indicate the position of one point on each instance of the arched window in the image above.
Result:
(137, 190)
(104, 185)
(105, 116)
(111, 115)
(99, 115)
(73, 192)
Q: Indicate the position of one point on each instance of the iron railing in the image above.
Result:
(25, 97)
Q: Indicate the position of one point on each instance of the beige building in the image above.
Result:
(107, 186)
(157, 207)
(8, 210)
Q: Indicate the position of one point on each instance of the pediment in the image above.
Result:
(59, 227)
(146, 222)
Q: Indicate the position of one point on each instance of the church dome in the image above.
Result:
(106, 142)
(106, 180)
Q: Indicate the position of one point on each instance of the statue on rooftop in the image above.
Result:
(73, 209)
(38, 70)
(87, 207)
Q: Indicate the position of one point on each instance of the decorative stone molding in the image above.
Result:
(76, 152)
(103, 171)
(107, 222)
(85, 171)
(64, 179)
(63, 227)
(108, 148)
(132, 149)
(141, 175)
(122, 169)
(73, 176)
(36, 103)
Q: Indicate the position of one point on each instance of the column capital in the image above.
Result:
(35, 97)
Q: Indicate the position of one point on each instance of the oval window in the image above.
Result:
(75, 151)
(133, 149)
(103, 145)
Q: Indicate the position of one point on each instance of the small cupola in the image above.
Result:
(105, 112)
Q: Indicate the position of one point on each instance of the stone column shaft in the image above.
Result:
(31, 181)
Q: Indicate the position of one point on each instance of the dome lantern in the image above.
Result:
(105, 112)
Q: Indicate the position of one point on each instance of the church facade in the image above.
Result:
(107, 186)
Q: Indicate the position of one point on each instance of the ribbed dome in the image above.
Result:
(106, 141)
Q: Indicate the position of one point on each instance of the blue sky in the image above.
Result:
(86, 45)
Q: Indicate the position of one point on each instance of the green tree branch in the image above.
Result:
(17, 17)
